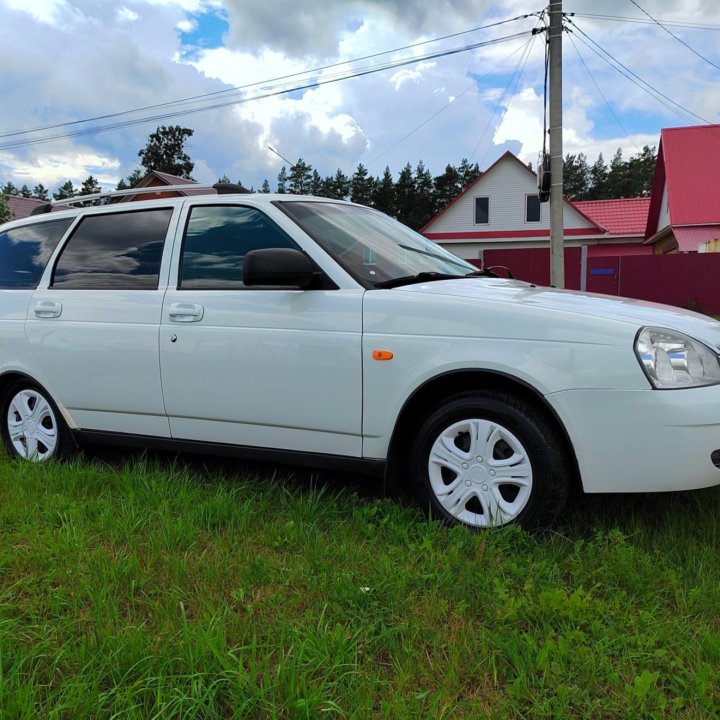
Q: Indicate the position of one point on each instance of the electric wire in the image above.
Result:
(448, 104)
(673, 35)
(512, 94)
(282, 91)
(600, 92)
(512, 82)
(225, 91)
(643, 21)
(674, 107)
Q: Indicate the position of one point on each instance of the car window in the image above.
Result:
(216, 241)
(119, 251)
(25, 251)
(371, 246)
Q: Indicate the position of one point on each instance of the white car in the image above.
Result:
(319, 332)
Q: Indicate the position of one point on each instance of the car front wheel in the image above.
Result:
(490, 458)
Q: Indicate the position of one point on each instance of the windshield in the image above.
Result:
(372, 247)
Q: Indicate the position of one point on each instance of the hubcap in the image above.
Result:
(32, 426)
(480, 473)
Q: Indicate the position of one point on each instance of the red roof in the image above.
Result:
(690, 238)
(689, 160)
(168, 179)
(622, 216)
(21, 207)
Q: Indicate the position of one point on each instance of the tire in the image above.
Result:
(32, 427)
(490, 458)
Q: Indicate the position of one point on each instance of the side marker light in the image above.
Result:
(382, 355)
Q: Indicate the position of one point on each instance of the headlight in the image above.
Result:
(672, 360)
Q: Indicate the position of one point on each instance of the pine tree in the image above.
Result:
(224, 179)
(299, 178)
(66, 190)
(316, 184)
(165, 151)
(90, 186)
(383, 197)
(446, 187)
(338, 184)
(619, 184)
(361, 186)
(467, 172)
(265, 187)
(41, 192)
(9, 189)
(405, 195)
(640, 172)
(25, 192)
(424, 205)
(282, 181)
(598, 189)
(576, 176)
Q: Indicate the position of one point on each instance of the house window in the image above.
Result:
(532, 208)
(482, 210)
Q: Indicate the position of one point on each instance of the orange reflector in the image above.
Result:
(382, 355)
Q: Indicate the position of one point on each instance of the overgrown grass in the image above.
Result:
(160, 589)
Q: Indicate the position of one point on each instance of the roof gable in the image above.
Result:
(689, 162)
(506, 157)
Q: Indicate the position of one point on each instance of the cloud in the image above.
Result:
(126, 15)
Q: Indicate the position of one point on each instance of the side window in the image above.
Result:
(482, 210)
(25, 251)
(216, 241)
(121, 251)
(532, 208)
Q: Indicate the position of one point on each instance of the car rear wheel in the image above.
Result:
(32, 427)
(489, 458)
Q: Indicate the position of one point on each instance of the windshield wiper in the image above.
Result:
(420, 277)
(430, 276)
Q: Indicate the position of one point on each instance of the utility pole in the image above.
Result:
(557, 231)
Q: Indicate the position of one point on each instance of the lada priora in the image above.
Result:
(311, 331)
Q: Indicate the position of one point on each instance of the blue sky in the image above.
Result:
(67, 60)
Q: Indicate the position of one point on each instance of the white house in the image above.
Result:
(501, 210)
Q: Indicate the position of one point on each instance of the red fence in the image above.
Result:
(690, 280)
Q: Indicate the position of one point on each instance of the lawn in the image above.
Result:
(161, 588)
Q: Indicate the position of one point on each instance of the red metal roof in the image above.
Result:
(168, 179)
(689, 162)
(21, 207)
(621, 216)
(690, 238)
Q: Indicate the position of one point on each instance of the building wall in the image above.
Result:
(664, 217)
(506, 185)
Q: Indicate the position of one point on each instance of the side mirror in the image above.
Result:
(279, 267)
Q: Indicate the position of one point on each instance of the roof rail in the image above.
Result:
(220, 189)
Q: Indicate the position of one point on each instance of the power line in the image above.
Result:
(238, 88)
(643, 21)
(272, 93)
(684, 114)
(673, 35)
(602, 95)
(448, 104)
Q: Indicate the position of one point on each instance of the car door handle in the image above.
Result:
(48, 309)
(186, 312)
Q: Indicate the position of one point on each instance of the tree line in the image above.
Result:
(413, 198)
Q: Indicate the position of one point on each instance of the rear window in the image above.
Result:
(121, 251)
(25, 251)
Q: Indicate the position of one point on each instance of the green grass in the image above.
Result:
(157, 589)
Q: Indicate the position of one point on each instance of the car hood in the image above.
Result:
(608, 307)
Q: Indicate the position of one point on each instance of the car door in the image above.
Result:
(269, 368)
(94, 320)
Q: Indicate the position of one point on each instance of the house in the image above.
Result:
(22, 207)
(158, 179)
(684, 213)
(500, 210)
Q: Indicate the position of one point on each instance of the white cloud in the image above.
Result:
(50, 12)
(126, 15)
(186, 26)
(55, 168)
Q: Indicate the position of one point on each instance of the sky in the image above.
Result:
(67, 61)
